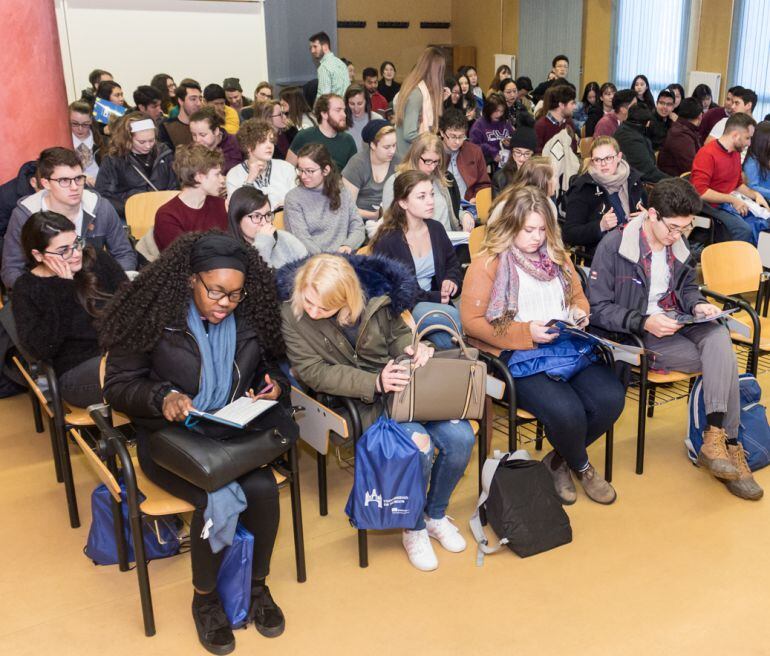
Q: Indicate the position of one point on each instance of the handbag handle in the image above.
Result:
(419, 335)
(440, 313)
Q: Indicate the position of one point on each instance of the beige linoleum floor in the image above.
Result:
(676, 566)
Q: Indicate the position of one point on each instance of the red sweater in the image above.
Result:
(545, 129)
(715, 168)
(175, 218)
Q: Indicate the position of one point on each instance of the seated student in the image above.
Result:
(159, 369)
(176, 131)
(250, 218)
(55, 302)
(589, 101)
(274, 177)
(86, 141)
(678, 91)
(95, 77)
(683, 139)
(602, 107)
(461, 99)
(148, 100)
(329, 303)
(561, 104)
(637, 149)
(743, 102)
(621, 102)
(320, 211)
(297, 112)
(410, 235)
(716, 174)
(365, 174)
(503, 72)
(472, 103)
(199, 206)
(262, 94)
(661, 119)
(641, 89)
(607, 194)
(522, 279)
(559, 71)
(473, 79)
(207, 130)
(712, 116)
(465, 160)
(640, 278)
(492, 130)
(135, 162)
(523, 146)
(111, 91)
(387, 85)
(513, 106)
(756, 167)
(215, 96)
(537, 171)
(358, 112)
(234, 94)
(164, 84)
(61, 181)
(426, 154)
(330, 132)
(376, 99)
(702, 92)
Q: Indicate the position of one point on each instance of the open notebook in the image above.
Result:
(238, 413)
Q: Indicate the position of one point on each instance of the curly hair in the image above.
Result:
(122, 137)
(253, 132)
(158, 298)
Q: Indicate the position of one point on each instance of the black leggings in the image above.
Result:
(260, 517)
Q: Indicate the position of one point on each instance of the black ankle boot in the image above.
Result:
(214, 630)
(268, 618)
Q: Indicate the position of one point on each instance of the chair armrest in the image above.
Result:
(743, 305)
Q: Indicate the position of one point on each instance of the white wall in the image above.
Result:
(207, 40)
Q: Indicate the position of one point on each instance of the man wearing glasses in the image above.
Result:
(642, 282)
(61, 177)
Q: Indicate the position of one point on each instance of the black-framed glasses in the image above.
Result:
(215, 295)
(598, 161)
(430, 162)
(66, 252)
(259, 218)
(77, 124)
(677, 230)
(79, 181)
(522, 153)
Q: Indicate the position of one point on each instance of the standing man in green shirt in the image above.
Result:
(333, 74)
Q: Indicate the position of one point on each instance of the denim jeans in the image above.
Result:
(729, 227)
(454, 441)
(575, 412)
(441, 339)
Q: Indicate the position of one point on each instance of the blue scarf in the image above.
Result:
(217, 349)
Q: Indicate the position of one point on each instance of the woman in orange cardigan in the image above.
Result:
(522, 279)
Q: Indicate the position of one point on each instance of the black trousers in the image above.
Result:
(260, 517)
(80, 385)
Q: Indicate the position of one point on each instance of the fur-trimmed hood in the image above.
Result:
(379, 276)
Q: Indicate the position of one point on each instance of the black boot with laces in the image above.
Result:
(268, 618)
(214, 630)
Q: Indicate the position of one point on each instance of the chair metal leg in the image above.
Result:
(37, 413)
(642, 419)
(538, 436)
(117, 521)
(296, 516)
(142, 574)
(55, 450)
(651, 401)
(363, 549)
(608, 448)
(69, 483)
(488, 409)
(323, 505)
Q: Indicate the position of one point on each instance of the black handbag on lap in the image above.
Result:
(211, 461)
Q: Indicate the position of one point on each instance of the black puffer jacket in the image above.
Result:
(587, 202)
(119, 177)
(136, 382)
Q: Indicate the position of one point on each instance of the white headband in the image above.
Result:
(144, 124)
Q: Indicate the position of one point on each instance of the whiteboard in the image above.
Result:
(506, 60)
(207, 40)
(714, 81)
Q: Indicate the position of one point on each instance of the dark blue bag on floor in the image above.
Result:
(234, 578)
(101, 547)
(389, 488)
(753, 433)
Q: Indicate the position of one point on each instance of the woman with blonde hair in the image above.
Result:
(343, 330)
(420, 101)
(426, 154)
(135, 162)
(607, 193)
(522, 279)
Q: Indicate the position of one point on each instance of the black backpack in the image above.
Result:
(521, 506)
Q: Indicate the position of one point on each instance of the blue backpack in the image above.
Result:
(389, 488)
(754, 432)
(234, 578)
(101, 547)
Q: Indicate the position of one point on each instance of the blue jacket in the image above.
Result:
(757, 179)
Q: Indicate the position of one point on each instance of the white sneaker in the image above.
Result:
(446, 533)
(419, 550)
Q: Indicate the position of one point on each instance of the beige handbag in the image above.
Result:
(451, 385)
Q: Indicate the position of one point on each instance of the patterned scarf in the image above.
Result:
(668, 300)
(504, 299)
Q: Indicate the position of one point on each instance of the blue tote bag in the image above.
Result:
(234, 578)
(389, 488)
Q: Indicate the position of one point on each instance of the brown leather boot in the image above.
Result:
(596, 487)
(714, 456)
(745, 487)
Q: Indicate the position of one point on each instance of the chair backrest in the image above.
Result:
(483, 204)
(731, 267)
(278, 221)
(141, 209)
(763, 246)
(585, 147)
(476, 239)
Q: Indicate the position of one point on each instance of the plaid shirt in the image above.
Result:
(333, 76)
(668, 301)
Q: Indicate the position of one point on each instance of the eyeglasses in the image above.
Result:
(279, 114)
(67, 252)
(306, 171)
(522, 153)
(454, 137)
(430, 162)
(75, 124)
(258, 218)
(676, 230)
(79, 181)
(215, 295)
(603, 160)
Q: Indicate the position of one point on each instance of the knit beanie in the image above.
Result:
(524, 137)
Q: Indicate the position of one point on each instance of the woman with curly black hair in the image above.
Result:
(198, 328)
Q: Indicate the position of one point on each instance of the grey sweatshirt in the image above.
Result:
(279, 248)
(307, 216)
